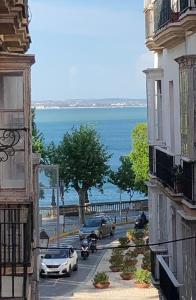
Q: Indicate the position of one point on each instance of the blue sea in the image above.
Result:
(114, 126)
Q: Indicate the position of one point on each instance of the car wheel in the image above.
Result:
(76, 266)
(69, 272)
(112, 232)
(100, 235)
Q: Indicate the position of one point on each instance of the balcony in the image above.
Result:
(164, 168)
(161, 165)
(14, 31)
(152, 159)
(154, 252)
(188, 182)
(171, 21)
(169, 286)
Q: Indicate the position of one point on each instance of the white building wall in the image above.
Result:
(167, 223)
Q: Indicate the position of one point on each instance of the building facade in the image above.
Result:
(18, 168)
(171, 96)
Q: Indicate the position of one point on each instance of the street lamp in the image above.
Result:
(43, 239)
(62, 187)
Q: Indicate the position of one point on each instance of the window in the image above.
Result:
(184, 94)
(158, 110)
(11, 91)
(12, 172)
(172, 114)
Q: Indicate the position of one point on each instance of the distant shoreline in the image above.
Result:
(88, 107)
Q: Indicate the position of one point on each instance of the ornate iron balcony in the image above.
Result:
(8, 139)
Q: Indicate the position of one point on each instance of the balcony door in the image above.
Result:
(158, 110)
(172, 118)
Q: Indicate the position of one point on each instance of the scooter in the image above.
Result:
(93, 244)
(140, 224)
(84, 249)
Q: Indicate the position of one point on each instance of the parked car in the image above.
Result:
(59, 262)
(101, 225)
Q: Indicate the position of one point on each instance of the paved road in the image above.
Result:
(50, 288)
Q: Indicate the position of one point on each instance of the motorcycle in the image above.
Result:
(84, 249)
(140, 223)
(93, 244)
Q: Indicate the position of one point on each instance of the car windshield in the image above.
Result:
(57, 254)
(92, 223)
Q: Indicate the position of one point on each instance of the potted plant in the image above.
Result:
(146, 261)
(178, 178)
(127, 272)
(101, 280)
(124, 241)
(132, 253)
(142, 278)
(129, 268)
(130, 234)
(116, 260)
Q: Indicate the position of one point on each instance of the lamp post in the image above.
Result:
(43, 239)
(120, 192)
(61, 188)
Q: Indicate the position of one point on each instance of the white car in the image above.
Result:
(59, 262)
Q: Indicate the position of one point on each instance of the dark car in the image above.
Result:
(101, 225)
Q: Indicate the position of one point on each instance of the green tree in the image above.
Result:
(124, 177)
(139, 157)
(38, 145)
(83, 162)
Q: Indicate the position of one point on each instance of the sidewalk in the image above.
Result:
(119, 289)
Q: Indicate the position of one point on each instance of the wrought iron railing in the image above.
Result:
(9, 138)
(188, 181)
(153, 264)
(151, 159)
(184, 5)
(164, 168)
(15, 253)
(164, 13)
(169, 286)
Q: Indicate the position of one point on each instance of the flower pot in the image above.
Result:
(126, 276)
(101, 285)
(115, 269)
(142, 285)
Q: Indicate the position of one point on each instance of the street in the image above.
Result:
(50, 288)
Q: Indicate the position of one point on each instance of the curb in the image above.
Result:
(125, 223)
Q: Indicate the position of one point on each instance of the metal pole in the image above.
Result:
(120, 206)
(58, 227)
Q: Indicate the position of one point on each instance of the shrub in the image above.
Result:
(130, 234)
(128, 269)
(124, 241)
(146, 261)
(129, 260)
(131, 253)
(142, 276)
(116, 259)
(138, 235)
(100, 277)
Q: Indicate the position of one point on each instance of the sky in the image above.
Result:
(88, 49)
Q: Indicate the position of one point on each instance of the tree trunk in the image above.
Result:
(86, 197)
(82, 198)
